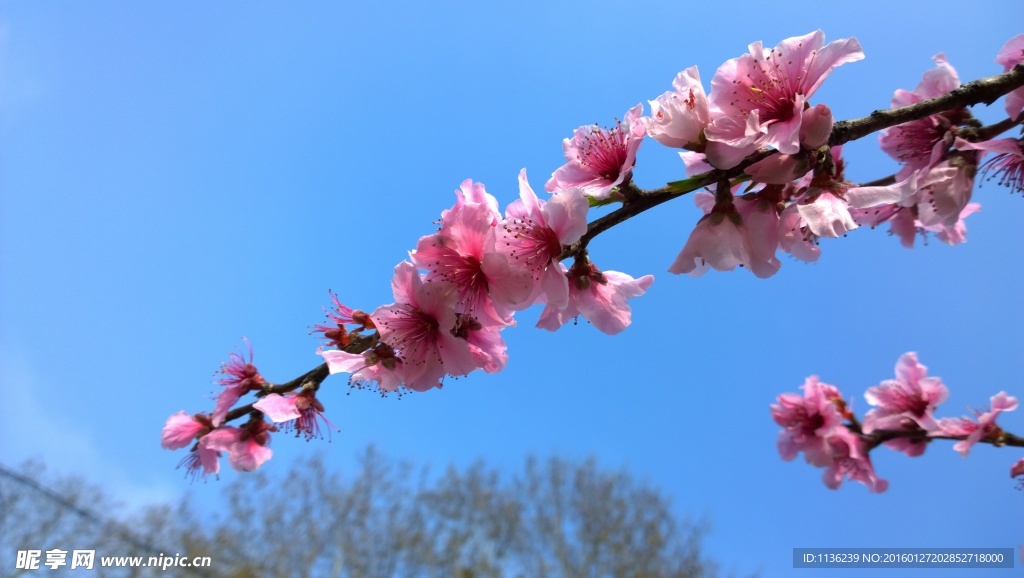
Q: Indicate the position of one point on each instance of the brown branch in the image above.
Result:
(311, 379)
(985, 90)
(880, 436)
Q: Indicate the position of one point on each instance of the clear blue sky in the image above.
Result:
(174, 176)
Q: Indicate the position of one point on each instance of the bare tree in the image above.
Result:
(556, 518)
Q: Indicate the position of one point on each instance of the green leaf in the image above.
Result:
(686, 185)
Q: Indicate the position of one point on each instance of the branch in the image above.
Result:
(985, 90)
(880, 436)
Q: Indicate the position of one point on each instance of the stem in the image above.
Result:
(880, 436)
(985, 90)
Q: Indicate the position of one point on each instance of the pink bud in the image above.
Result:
(816, 126)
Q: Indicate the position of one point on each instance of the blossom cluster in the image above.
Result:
(780, 185)
(820, 424)
(464, 283)
(247, 446)
(799, 194)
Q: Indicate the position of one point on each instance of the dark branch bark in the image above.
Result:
(985, 90)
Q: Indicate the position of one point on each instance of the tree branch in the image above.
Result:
(985, 90)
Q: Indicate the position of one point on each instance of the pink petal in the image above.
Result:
(278, 408)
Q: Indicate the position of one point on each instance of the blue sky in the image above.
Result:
(173, 177)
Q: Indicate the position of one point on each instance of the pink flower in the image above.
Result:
(921, 143)
(418, 326)
(463, 253)
(600, 159)
(377, 365)
(850, 460)
(1010, 55)
(1018, 470)
(201, 460)
(181, 430)
(486, 345)
(470, 192)
(758, 99)
(904, 224)
(736, 232)
(599, 296)
(696, 163)
(807, 421)
(826, 208)
(678, 118)
(905, 403)
(246, 446)
(239, 377)
(534, 233)
(944, 190)
(984, 428)
(1008, 164)
(795, 237)
(302, 411)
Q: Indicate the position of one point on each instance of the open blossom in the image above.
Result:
(239, 376)
(181, 430)
(599, 296)
(246, 446)
(470, 192)
(678, 118)
(463, 253)
(600, 159)
(301, 411)
(850, 460)
(1008, 164)
(1018, 470)
(376, 366)
(736, 232)
(758, 99)
(534, 232)
(984, 428)
(1010, 55)
(905, 403)
(808, 420)
(418, 326)
(826, 207)
(921, 143)
(813, 424)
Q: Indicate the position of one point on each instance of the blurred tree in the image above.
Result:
(556, 518)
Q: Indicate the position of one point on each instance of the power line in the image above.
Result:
(125, 534)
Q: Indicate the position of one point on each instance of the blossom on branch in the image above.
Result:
(534, 232)
(418, 326)
(813, 424)
(905, 403)
(240, 376)
(599, 296)
(678, 118)
(300, 411)
(984, 428)
(463, 253)
(758, 99)
(922, 143)
(1008, 164)
(600, 159)
(1010, 55)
